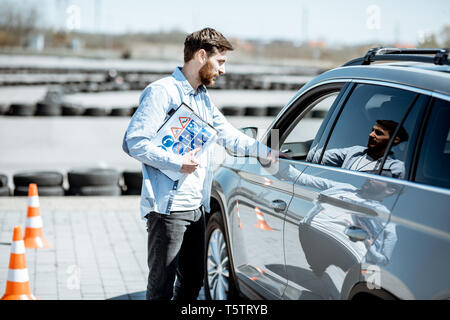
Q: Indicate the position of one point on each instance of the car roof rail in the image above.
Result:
(400, 54)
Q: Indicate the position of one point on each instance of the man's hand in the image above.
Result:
(190, 164)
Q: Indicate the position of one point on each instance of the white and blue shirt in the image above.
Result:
(156, 101)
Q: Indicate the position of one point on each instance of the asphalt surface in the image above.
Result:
(98, 248)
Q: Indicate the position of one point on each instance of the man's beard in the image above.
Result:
(206, 74)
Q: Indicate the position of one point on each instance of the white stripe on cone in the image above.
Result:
(39, 242)
(33, 201)
(259, 215)
(18, 275)
(34, 222)
(18, 247)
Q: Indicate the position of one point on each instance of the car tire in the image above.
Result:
(48, 109)
(133, 180)
(120, 112)
(3, 180)
(95, 112)
(93, 177)
(95, 191)
(218, 282)
(233, 111)
(273, 111)
(41, 178)
(255, 111)
(69, 109)
(131, 192)
(48, 191)
(3, 108)
(4, 191)
(23, 110)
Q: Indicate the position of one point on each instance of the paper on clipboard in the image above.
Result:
(182, 132)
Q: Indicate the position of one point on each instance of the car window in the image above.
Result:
(434, 159)
(300, 135)
(365, 127)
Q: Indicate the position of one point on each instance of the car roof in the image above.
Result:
(424, 76)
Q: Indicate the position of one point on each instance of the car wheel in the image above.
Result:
(219, 284)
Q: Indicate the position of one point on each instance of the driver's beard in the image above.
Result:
(206, 74)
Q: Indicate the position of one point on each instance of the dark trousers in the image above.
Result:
(176, 246)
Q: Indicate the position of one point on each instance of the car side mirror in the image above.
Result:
(252, 132)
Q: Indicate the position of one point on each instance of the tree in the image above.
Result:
(445, 35)
(17, 24)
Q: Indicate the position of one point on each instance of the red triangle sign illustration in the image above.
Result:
(176, 131)
(184, 121)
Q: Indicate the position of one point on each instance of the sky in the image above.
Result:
(345, 22)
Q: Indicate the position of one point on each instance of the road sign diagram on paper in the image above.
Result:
(182, 132)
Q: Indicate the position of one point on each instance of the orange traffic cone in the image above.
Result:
(17, 284)
(239, 217)
(34, 236)
(256, 277)
(262, 224)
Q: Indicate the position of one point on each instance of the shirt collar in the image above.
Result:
(185, 85)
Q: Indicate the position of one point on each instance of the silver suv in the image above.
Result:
(358, 205)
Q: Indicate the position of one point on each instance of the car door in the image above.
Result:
(340, 208)
(264, 194)
(261, 203)
(418, 269)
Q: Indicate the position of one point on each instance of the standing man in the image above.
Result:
(175, 210)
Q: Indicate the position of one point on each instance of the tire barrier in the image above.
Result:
(41, 178)
(319, 114)
(94, 182)
(22, 109)
(72, 109)
(272, 111)
(94, 191)
(255, 111)
(3, 108)
(48, 109)
(132, 183)
(82, 182)
(121, 112)
(56, 191)
(232, 111)
(95, 112)
(4, 189)
(49, 183)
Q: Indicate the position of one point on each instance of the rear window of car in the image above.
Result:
(433, 167)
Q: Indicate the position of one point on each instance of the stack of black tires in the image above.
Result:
(4, 189)
(132, 183)
(94, 182)
(49, 183)
(82, 182)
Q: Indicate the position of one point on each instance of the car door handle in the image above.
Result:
(278, 205)
(356, 233)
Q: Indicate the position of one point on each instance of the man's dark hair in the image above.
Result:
(390, 126)
(207, 39)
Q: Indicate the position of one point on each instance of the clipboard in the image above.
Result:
(182, 132)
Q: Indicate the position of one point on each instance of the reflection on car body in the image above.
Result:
(342, 221)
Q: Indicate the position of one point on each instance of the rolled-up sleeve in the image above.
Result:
(148, 118)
